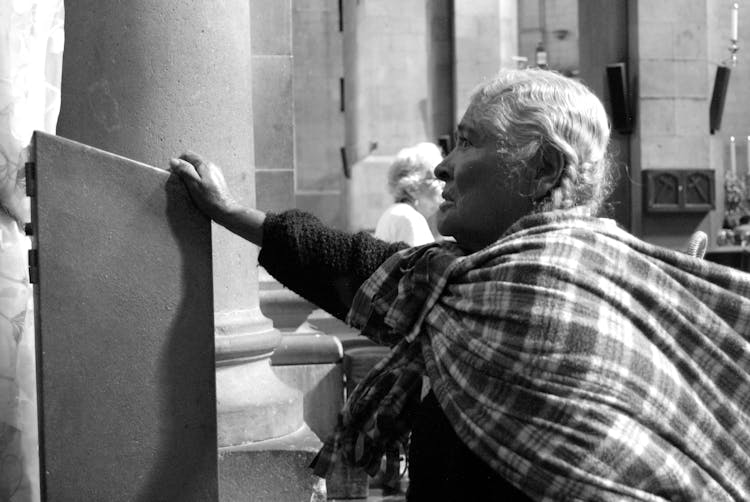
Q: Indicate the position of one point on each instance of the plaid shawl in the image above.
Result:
(578, 361)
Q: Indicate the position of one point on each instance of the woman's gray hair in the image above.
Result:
(412, 170)
(529, 111)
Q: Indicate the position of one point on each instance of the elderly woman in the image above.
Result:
(416, 194)
(567, 359)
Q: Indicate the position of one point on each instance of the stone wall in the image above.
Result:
(556, 25)
(273, 103)
(390, 101)
(478, 57)
(668, 54)
(319, 113)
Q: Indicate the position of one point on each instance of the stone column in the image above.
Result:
(480, 57)
(148, 80)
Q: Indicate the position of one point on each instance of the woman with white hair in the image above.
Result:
(416, 194)
(567, 359)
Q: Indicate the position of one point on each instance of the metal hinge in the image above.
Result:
(30, 169)
(33, 266)
(341, 15)
(345, 163)
(342, 96)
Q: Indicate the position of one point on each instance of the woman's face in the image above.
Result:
(482, 198)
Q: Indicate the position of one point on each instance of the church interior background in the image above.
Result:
(304, 103)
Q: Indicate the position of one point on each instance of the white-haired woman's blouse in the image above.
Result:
(402, 223)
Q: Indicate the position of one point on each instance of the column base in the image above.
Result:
(252, 404)
(275, 470)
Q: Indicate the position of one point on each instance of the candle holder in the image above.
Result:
(735, 199)
(734, 33)
(736, 196)
(735, 207)
(734, 48)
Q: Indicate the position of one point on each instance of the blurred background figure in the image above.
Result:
(416, 194)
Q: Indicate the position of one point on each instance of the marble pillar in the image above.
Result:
(149, 80)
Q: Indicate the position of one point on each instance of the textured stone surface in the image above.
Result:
(307, 348)
(326, 206)
(319, 119)
(271, 471)
(275, 189)
(668, 49)
(323, 388)
(284, 307)
(345, 483)
(253, 402)
(149, 80)
(385, 63)
(125, 328)
(479, 58)
(271, 22)
(318, 115)
(273, 111)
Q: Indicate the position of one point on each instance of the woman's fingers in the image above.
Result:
(194, 159)
(206, 184)
(184, 169)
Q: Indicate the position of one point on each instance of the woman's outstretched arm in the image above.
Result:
(314, 260)
(321, 264)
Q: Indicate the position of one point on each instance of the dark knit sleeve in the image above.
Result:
(321, 264)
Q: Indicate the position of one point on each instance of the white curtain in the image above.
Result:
(31, 47)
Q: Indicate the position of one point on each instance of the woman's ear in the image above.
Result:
(550, 164)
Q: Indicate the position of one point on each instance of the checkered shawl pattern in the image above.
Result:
(578, 361)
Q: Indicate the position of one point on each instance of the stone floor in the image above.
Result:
(375, 491)
(375, 495)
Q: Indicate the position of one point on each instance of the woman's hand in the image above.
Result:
(206, 185)
(209, 191)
